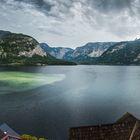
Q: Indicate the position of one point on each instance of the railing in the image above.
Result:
(10, 136)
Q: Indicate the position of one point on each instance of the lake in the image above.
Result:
(84, 95)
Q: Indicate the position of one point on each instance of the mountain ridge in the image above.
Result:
(102, 53)
(122, 53)
(21, 49)
(83, 54)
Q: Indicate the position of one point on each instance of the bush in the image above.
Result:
(29, 137)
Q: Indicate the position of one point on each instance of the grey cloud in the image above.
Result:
(113, 15)
(64, 6)
(50, 30)
(111, 5)
(71, 17)
(54, 8)
(41, 5)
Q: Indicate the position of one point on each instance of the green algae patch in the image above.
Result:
(21, 81)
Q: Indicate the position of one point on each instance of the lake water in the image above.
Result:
(87, 95)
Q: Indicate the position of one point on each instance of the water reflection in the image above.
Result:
(88, 95)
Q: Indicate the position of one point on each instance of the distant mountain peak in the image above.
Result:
(84, 53)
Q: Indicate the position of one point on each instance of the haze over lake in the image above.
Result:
(86, 95)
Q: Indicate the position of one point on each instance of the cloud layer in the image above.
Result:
(72, 22)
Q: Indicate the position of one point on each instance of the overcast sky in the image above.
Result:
(72, 23)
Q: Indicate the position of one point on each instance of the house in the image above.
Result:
(126, 128)
(6, 133)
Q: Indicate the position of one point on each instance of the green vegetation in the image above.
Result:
(50, 60)
(29, 137)
(11, 47)
(20, 49)
(123, 53)
(21, 81)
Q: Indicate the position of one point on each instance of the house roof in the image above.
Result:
(123, 129)
(1, 134)
(127, 117)
(6, 131)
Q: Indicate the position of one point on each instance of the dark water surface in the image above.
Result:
(88, 95)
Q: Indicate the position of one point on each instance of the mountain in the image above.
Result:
(20, 49)
(58, 52)
(92, 49)
(86, 54)
(3, 33)
(89, 53)
(107, 53)
(122, 53)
